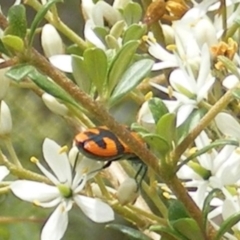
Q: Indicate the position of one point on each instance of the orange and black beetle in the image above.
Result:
(101, 144)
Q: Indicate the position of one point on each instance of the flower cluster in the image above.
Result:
(174, 66)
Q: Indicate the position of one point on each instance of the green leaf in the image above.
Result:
(74, 49)
(120, 63)
(39, 17)
(176, 211)
(157, 108)
(207, 206)
(117, 29)
(3, 49)
(130, 232)
(50, 87)
(227, 225)
(168, 230)
(17, 21)
(166, 127)
(134, 32)
(217, 143)
(136, 127)
(236, 93)
(132, 13)
(188, 228)
(96, 65)
(229, 65)
(19, 72)
(156, 143)
(131, 78)
(112, 42)
(191, 122)
(80, 73)
(13, 43)
(101, 32)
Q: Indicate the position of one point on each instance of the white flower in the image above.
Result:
(62, 194)
(187, 50)
(191, 32)
(189, 89)
(54, 105)
(51, 41)
(5, 119)
(214, 169)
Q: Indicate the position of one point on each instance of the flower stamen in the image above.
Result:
(34, 160)
(63, 149)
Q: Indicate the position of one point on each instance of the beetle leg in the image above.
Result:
(144, 168)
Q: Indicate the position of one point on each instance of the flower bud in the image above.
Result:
(51, 41)
(74, 156)
(145, 117)
(54, 105)
(5, 119)
(128, 191)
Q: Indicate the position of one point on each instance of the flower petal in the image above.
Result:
(103, 11)
(91, 36)
(203, 91)
(62, 61)
(54, 105)
(230, 81)
(200, 194)
(228, 125)
(183, 113)
(163, 65)
(157, 51)
(34, 191)
(51, 41)
(183, 83)
(56, 225)
(95, 209)
(57, 161)
(229, 208)
(3, 172)
(5, 119)
(222, 157)
(185, 172)
(204, 66)
(89, 166)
